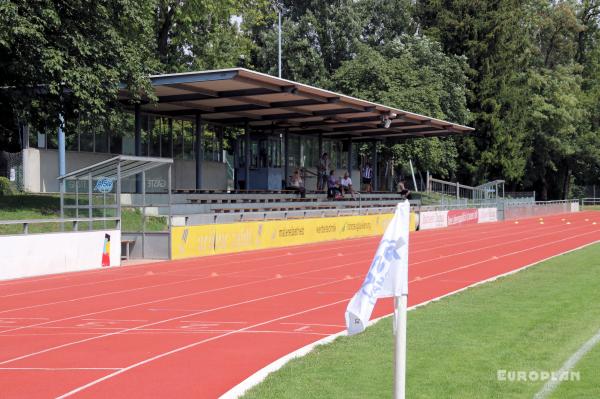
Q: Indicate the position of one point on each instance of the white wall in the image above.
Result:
(39, 254)
(214, 175)
(41, 170)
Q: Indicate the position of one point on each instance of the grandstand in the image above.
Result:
(270, 127)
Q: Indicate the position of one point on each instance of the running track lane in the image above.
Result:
(196, 328)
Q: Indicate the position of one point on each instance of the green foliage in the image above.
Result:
(71, 55)
(533, 88)
(411, 73)
(523, 73)
(6, 187)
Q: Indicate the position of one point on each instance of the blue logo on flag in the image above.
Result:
(104, 185)
(380, 267)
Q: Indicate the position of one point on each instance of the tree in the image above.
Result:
(70, 56)
(411, 73)
(318, 37)
(205, 34)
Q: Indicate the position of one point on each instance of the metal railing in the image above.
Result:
(590, 202)
(519, 194)
(73, 222)
(460, 194)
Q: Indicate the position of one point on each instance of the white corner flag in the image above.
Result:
(387, 277)
(388, 274)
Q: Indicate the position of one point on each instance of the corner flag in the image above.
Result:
(388, 274)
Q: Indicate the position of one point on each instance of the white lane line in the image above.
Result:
(23, 318)
(502, 244)
(553, 383)
(59, 368)
(186, 262)
(166, 321)
(192, 345)
(313, 324)
(502, 256)
(113, 293)
(181, 296)
(114, 320)
(213, 322)
(228, 274)
(201, 312)
(341, 245)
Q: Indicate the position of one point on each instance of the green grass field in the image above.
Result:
(29, 206)
(530, 321)
(591, 208)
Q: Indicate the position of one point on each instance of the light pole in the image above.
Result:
(278, 7)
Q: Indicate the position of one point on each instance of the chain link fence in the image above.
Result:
(11, 167)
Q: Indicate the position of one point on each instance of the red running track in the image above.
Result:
(196, 328)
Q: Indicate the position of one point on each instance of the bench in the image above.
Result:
(127, 245)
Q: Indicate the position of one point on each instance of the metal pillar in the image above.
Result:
(279, 39)
(320, 145)
(374, 180)
(350, 157)
(247, 156)
(170, 213)
(143, 214)
(119, 195)
(199, 151)
(24, 135)
(90, 203)
(61, 147)
(286, 145)
(138, 143)
(171, 136)
(220, 135)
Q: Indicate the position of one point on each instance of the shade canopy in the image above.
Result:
(240, 97)
(130, 166)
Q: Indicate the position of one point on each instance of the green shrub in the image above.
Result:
(6, 187)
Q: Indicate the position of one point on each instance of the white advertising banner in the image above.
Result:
(485, 215)
(39, 254)
(574, 206)
(433, 220)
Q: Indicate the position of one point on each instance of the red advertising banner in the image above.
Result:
(462, 216)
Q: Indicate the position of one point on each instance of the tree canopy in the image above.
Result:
(523, 73)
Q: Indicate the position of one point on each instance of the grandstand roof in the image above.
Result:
(239, 96)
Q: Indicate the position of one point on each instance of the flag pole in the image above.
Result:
(400, 346)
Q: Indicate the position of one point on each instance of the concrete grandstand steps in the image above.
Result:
(237, 191)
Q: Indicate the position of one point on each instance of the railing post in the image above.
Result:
(25, 228)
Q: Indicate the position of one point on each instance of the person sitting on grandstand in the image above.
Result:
(333, 187)
(297, 184)
(367, 177)
(346, 185)
(324, 166)
(404, 192)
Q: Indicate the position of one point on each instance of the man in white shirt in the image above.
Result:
(297, 184)
(346, 184)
